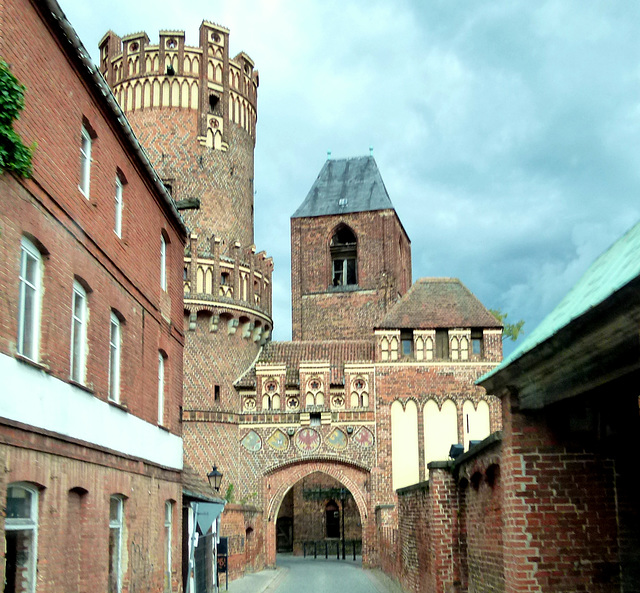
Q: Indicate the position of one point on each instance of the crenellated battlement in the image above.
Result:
(234, 281)
(171, 75)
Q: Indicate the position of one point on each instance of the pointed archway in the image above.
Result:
(279, 480)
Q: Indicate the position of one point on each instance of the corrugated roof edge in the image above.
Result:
(68, 32)
(542, 334)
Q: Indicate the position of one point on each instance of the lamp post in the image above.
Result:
(215, 478)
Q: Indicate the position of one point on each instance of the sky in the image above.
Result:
(506, 131)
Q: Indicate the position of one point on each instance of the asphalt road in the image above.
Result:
(325, 576)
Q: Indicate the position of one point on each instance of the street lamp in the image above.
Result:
(215, 478)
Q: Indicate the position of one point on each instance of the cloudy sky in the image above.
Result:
(506, 132)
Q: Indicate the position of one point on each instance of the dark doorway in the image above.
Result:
(332, 521)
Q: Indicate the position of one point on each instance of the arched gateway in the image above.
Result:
(279, 480)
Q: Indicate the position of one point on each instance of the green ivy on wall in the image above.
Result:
(14, 155)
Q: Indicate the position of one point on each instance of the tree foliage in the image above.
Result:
(511, 330)
(14, 155)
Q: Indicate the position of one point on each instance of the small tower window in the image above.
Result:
(442, 344)
(406, 339)
(344, 252)
(213, 101)
(476, 342)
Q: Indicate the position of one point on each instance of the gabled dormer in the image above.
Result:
(439, 320)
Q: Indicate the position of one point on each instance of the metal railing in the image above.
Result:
(332, 548)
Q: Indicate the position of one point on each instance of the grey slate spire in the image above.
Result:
(346, 185)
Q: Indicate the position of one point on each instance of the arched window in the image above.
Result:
(21, 537)
(116, 524)
(344, 257)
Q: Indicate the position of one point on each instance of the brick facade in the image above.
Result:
(72, 437)
(323, 312)
(321, 403)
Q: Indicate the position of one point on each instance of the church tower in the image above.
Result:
(350, 254)
(194, 110)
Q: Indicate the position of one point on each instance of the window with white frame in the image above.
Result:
(117, 227)
(85, 161)
(114, 358)
(116, 524)
(161, 365)
(21, 539)
(78, 333)
(163, 263)
(168, 525)
(29, 300)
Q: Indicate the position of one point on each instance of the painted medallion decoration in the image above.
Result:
(278, 441)
(364, 438)
(252, 441)
(249, 404)
(307, 440)
(293, 403)
(337, 439)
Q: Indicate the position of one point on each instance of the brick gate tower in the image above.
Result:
(194, 111)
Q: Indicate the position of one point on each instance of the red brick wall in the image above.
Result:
(384, 271)
(79, 523)
(422, 382)
(565, 537)
(78, 232)
(244, 526)
(75, 479)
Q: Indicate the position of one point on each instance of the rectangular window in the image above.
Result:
(216, 393)
(442, 344)
(163, 263)
(160, 389)
(114, 359)
(344, 272)
(168, 523)
(476, 342)
(21, 537)
(29, 300)
(78, 333)
(117, 227)
(116, 505)
(406, 340)
(85, 162)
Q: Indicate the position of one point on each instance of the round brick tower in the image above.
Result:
(194, 110)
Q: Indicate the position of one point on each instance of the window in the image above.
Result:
(163, 263)
(21, 539)
(476, 342)
(85, 161)
(168, 521)
(344, 257)
(114, 359)
(29, 300)
(78, 333)
(117, 227)
(116, 523)
(160, 388)
(406, 341)
(442, 344)
(216, 393)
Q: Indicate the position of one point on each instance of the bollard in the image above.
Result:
(326, 550)
(315, 550)
(304, 549)
(354, 550)
(337, 550)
